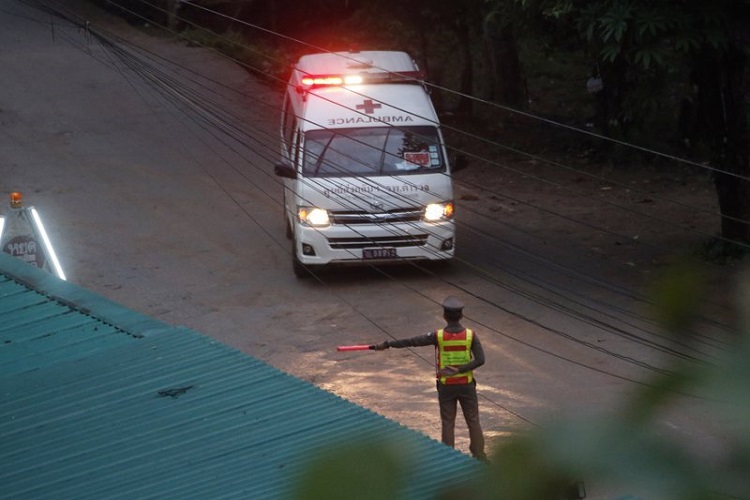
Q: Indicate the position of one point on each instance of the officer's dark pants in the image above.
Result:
(449, 397)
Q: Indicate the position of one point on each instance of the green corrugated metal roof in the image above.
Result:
(98, 401)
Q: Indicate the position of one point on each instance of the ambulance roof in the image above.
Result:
(356, 106)
(386, 91)
(343, 63)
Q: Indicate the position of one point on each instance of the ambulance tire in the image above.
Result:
(289, 233)
(299, 269)
(287, 222)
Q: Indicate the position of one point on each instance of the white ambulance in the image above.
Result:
(365, 171)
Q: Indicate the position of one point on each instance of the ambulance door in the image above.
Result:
(290, 137)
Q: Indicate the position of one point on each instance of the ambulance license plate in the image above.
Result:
(379, 253)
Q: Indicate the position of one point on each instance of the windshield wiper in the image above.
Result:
(322, 155)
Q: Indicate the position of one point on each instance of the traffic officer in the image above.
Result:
(458, 352)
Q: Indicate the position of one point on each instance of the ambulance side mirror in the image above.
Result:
(459, 162)
(285, 170)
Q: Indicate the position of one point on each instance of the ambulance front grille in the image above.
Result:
(385, 241)
(390, 217)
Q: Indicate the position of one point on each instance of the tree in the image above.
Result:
(719, 72)
(501, 24)
(644, 48)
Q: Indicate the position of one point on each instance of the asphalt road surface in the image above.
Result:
(151, 163)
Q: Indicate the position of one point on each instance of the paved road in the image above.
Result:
(151, 164)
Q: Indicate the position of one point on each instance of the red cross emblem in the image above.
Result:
(368, 106)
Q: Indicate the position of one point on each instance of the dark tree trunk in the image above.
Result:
(467, 72)
(610, 101)
(505, 67)
(722, 115)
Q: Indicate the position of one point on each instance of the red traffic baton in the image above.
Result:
(355, 347)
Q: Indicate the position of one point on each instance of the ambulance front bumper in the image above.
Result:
(375, 243)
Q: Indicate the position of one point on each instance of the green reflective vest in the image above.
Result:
(454, 349)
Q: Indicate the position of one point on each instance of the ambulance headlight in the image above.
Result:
(438, 211)
(315, 217)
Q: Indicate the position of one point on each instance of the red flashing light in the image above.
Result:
(331, 80)
(309, 81)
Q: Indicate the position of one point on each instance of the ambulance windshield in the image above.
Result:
(375, 151)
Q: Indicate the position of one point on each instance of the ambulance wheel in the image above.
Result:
(299, 269)
(287, 224)
(289, 233)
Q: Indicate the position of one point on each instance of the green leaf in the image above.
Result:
(362, 470)
(615, 22)
(643, 58)
(677, 297)
(610, 52)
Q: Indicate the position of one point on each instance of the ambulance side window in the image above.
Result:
(288, 127)
(296, 146)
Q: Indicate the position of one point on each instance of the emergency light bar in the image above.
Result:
(315, 81)
(332, 80)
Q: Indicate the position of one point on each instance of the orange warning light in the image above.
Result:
(15, 199)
